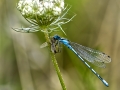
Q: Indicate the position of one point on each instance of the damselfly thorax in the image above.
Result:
(54, 44)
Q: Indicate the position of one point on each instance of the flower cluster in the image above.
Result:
(44, 11)
(42, 14)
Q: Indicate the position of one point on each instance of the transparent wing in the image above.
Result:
(94, 56)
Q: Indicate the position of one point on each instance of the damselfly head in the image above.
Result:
(56, 37)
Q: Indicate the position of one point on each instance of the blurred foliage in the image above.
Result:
(24, 66)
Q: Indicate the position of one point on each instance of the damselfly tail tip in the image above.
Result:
(106, 84)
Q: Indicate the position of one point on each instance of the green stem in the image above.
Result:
(55, 63)
(58, 70)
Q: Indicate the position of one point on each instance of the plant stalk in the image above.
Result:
(55, 63)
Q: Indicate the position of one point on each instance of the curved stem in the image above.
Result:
(55, 63)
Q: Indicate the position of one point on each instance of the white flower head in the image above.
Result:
(42, 13)
(41, 9)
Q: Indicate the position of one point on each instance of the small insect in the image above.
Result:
(84, 53)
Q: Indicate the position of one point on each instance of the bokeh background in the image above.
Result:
(24, 66)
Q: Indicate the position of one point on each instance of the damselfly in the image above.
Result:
(84, 53)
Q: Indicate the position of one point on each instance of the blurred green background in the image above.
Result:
(24, 66)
